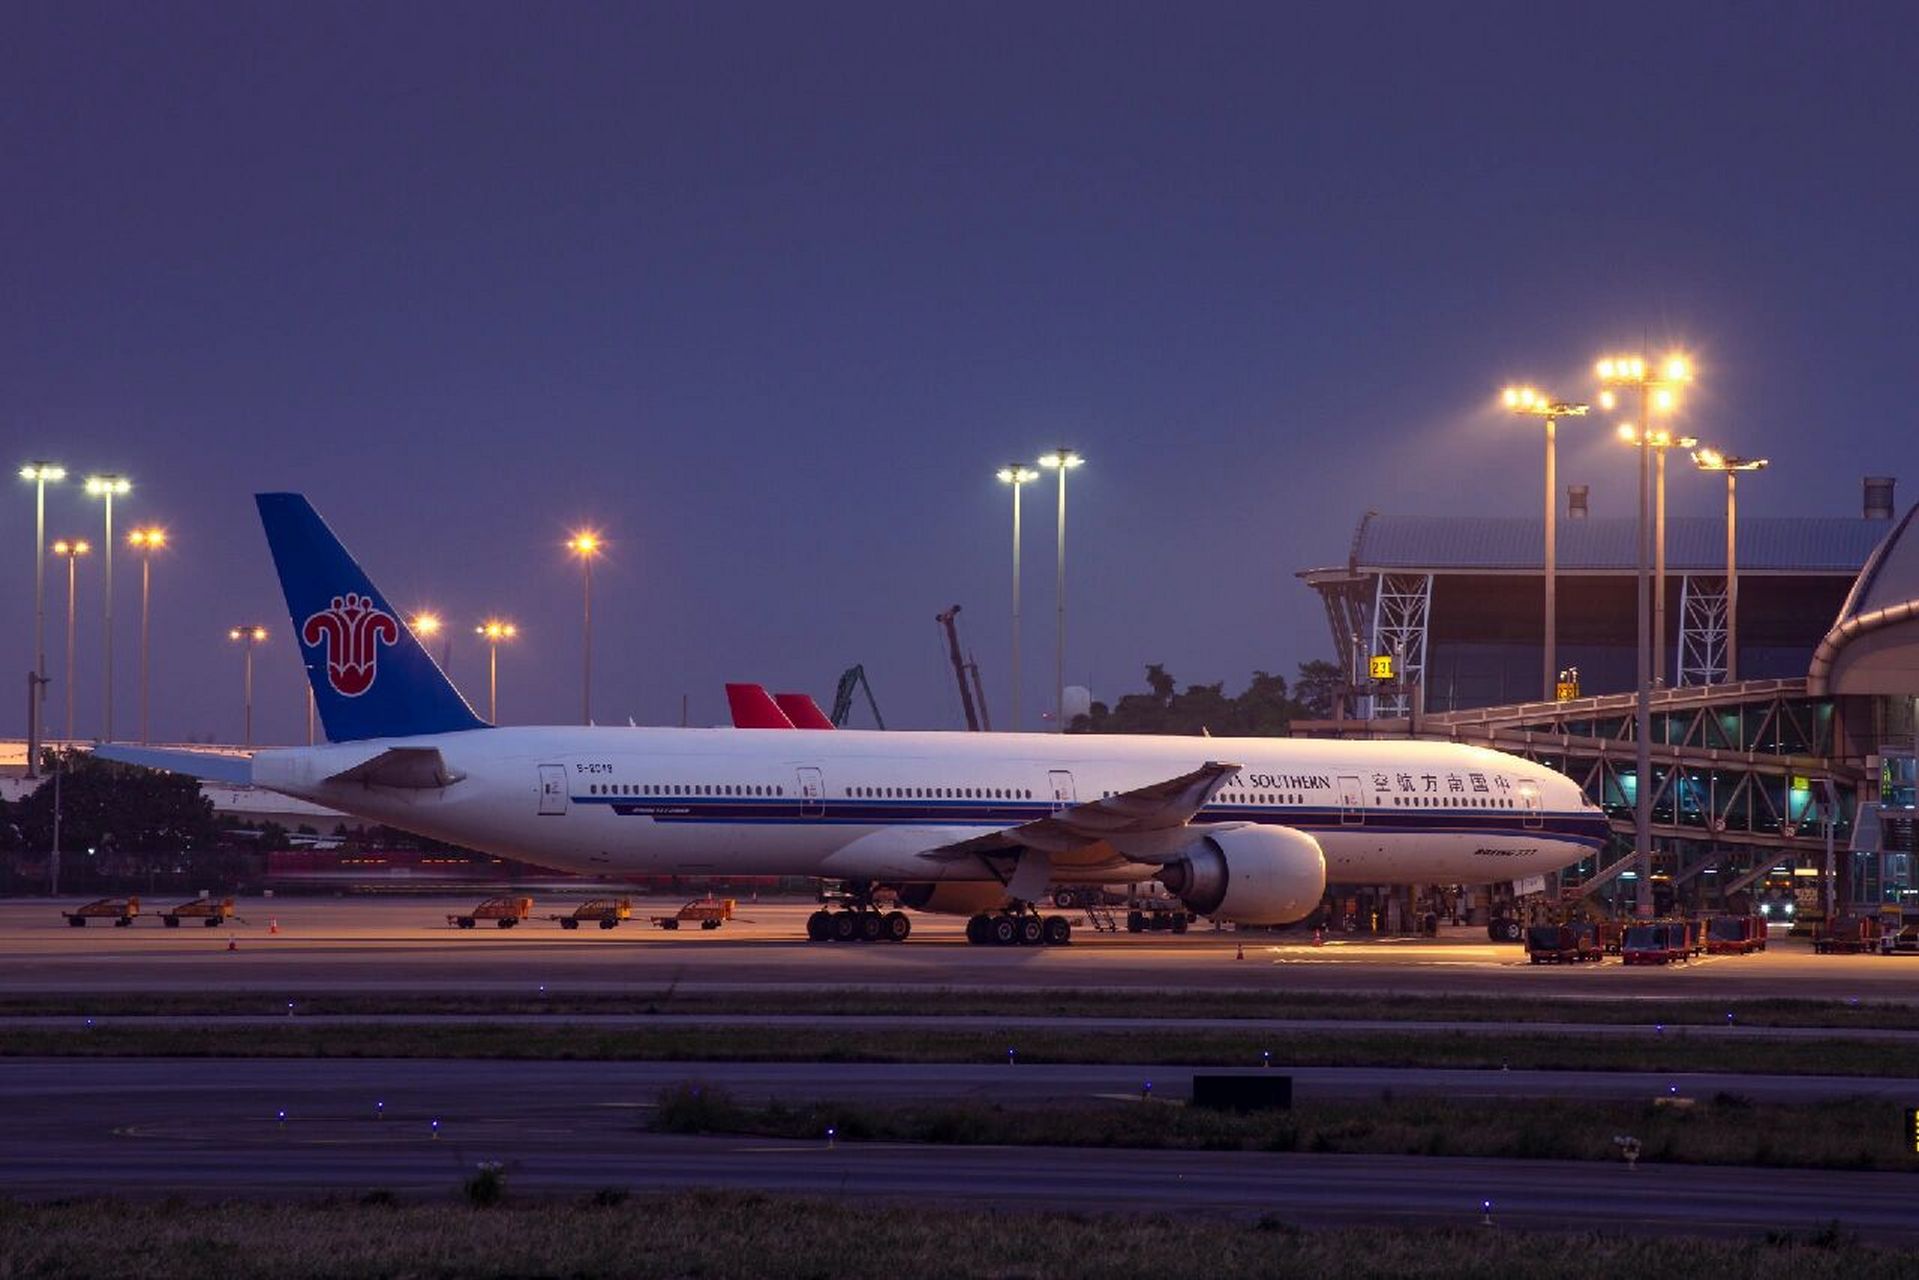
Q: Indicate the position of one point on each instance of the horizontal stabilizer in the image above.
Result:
(754, 708)
(214, 766)
(802, 711)
(408, 768)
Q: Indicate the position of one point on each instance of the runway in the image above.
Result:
(394, 945)
(214, 1129)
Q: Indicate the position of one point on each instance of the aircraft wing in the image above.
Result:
(1147, 824)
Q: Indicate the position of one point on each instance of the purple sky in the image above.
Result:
(767, 291)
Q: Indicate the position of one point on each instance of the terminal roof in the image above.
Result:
(1837, 545)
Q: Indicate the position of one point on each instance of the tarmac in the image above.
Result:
(395, 945)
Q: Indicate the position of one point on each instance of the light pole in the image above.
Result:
(1019, 477)
(1061, 461)
(108, 487)
(248, 634)
(1658, 389)
(586, 545)
(146, 542)
(72, 549)
(1528, 401)
(1713, 460)
(494, 630)
(42, 474)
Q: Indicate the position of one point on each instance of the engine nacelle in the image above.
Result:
(1250, 875)
(954, 898)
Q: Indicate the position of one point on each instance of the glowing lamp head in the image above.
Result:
(71, 547)
(50, 472)
(1015, 473)
(148, 539)
(425, 624)
(1678, 369)
(1629, 433)
(251, 633)
(496, 630)
(108, 486)
(1060, 459)
(584, 543)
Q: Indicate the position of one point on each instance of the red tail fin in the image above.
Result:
(753, 708)
(802, 711)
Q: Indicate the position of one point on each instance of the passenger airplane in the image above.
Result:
(1241, 829)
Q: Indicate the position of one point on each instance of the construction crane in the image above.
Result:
(976, 720)
(854, 680)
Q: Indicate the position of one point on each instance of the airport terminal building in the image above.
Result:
(1796, 775)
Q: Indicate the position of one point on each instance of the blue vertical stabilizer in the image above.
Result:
(371, 678)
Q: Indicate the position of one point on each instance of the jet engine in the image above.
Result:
(955, 898)
(1250, 875)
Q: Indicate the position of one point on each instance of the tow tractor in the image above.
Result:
(211, 912)
(607, 911)
(708, 913)
(504, 912)
(119, 910)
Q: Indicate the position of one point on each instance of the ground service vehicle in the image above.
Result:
(606, 912)
(708, 913)
(1659, 942)
(119, 910)
(1570, 943)
(504, 912)
(210, 912)
(1735, 935)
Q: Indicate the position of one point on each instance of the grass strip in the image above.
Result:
(1726, 1129)
(1170, 1046)
(727, 1236)
(1062, 1004)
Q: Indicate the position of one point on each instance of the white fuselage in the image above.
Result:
(867, 805)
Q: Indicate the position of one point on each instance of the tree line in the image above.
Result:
(1266, 708)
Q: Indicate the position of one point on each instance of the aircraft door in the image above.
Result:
(1529, 800)
(812, 793)
(552, 790)
(1062, 781)
(1352, 800)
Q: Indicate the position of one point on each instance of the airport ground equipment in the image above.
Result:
(1735, 935)
(852, 681)
(1572, 943)
(1157, 915)
(708, 913)
(606, 912)
(1656, 942)
(119, 910)
(505, 912)
(210, 912)
(1848, 935)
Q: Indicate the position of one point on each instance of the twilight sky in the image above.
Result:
(766, 292)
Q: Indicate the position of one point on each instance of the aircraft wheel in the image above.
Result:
(608, 922)
(819, 927)
(1058, 931)
(872, 926)
(507, 922)
(1135, 921)
(1005, 931)
(1031, 931)
(1063, 899)
(979, 930)
(846, 926)
(898, 925)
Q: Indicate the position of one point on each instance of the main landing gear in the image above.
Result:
(1018, 928)
(858, 923)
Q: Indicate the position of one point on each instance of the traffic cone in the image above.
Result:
(273, 924)
(1242, 952)
(233, 944)
(1319, 937)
